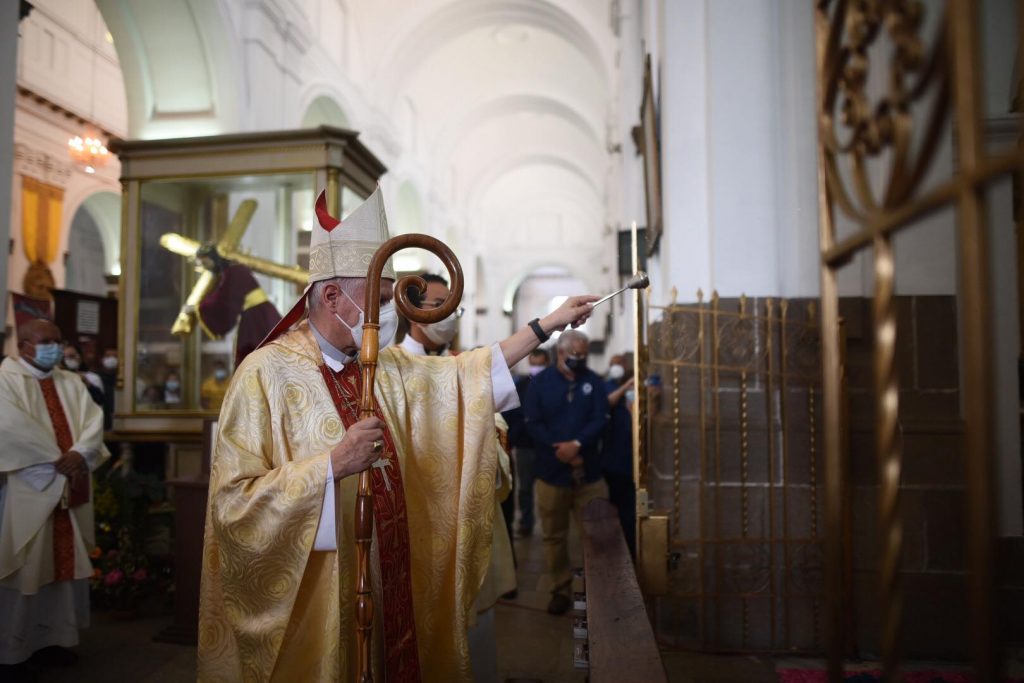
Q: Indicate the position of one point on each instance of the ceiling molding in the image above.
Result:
(438, 24)
(481, 184)
(463, 125)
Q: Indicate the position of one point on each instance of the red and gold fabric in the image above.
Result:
(391, 524)
(272, 608)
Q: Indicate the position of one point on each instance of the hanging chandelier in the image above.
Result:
(89, 152)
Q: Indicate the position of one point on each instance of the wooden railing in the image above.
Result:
(619, 634)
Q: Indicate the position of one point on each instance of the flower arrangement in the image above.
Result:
(120, 575)
(130, 510)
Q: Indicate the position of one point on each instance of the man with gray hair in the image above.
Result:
(566, 410)
(278, 596)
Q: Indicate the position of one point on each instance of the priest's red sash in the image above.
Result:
(78, 490)
(391, 523)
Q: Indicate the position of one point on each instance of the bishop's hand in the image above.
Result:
(574, 311)
(359, 448)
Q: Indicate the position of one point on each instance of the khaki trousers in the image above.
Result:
(554, 503)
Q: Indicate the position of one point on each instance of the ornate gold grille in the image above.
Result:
(858, 135)
(734, 460)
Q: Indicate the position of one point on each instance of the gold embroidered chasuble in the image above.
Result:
(272, 608)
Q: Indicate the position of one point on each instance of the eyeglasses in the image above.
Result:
(432, 305)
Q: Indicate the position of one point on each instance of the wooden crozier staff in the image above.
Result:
(367, 407)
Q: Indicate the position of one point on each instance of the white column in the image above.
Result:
(684, 259)
(738, 149)
(8, 75)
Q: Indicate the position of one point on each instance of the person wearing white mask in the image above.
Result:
(52, 439)
(73, 362)
(172, 388)
(434, 339)
(278, 596)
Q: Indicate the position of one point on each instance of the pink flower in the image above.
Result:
(139, 575)
(113, 578)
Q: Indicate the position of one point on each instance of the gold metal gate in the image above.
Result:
(733, 464)
(855, 133)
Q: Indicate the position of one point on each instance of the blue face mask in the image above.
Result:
(48, 355)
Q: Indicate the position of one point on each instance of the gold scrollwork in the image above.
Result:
(855, 125)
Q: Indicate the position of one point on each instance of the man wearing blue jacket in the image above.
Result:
(566, 410)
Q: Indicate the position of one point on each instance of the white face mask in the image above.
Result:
(72, 363)
(110, 362)
(443, 331)
(616, 372)
(388, 324)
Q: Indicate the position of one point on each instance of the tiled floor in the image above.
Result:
(532, 645)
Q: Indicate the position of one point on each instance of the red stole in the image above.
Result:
(391, 523)
(78, 492)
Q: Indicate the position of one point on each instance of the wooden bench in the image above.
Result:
(619, 634)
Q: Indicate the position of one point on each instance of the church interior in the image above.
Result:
(815, 210)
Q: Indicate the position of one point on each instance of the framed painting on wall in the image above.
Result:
(650, 147)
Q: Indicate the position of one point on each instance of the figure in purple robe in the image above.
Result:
(236, 299)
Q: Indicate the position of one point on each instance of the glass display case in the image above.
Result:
(252, 191)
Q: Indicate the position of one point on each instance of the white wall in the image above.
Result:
(738, 166)
(64, 56)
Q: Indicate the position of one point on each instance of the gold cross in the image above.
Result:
(227, 246)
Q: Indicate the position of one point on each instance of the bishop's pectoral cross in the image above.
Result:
(227, 246)
(382, 464)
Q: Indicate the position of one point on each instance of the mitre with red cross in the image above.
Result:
(341, 248)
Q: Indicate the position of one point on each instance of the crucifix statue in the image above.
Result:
(226, 293)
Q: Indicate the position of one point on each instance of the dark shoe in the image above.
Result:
(55, 655)
(511, 595)
(559, 604)
(17, 673)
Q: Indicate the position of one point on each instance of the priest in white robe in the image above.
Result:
(52, 440)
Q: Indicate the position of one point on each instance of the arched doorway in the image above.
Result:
(93, 249)
(542, 291)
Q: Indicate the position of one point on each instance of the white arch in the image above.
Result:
(512, 285)
(460, 127)
(324, 111)
(434, 24)
(181, 66)
(326, 90)
(103, 202)
(537, 158)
